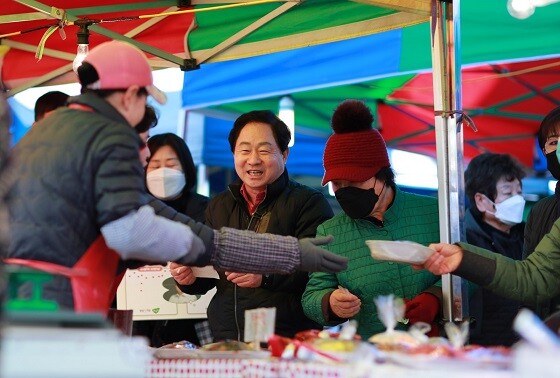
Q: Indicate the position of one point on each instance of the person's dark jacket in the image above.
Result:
(205, 233)
(542, 216)
(493, 314)
(539, 223)
(288, 209)
(76, 171)
(192, 204)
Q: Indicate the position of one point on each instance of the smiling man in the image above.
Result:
(266, 201)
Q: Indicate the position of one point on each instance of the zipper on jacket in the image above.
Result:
(258, 217)
(235, 312)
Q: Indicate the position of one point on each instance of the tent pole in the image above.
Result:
(445, 22)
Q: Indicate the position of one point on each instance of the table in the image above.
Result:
(274, 368)
(30, 351)
(230, 368)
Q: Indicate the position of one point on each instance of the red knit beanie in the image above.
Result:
(356, 151)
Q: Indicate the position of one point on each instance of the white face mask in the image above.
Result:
(510, 211)
(165, 183)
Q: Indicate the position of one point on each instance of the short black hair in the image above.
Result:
(280, 130)
(149, 120)
(484, 172)
(49, 102)
(388, 175)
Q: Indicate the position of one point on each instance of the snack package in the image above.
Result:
(457, 334)
(332, 345)
(183, 344)
(391, 310)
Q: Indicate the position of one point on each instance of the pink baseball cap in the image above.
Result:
(120, 65)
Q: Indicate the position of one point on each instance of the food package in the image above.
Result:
(228, 345)
(180, 345)
(399, 251)
(391, 310)
(329, 345)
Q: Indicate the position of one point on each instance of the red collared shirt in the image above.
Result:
(252, 206)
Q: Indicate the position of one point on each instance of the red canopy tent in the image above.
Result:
(22, 30)
(505, 101)
(183, 33)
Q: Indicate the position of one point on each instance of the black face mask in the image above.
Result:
(357, 203)
(552, 164)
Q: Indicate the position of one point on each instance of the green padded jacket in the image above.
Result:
(411, 217)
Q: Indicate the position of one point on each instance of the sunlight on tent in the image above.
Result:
(414, 170)
(168, 80)
(411, 170)
(29, 96)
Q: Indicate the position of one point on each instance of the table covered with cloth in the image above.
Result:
(276, 368)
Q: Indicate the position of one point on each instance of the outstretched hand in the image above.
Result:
(182, 274)
(316, 259)
(445, 259)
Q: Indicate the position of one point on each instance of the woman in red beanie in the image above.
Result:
(357, 165)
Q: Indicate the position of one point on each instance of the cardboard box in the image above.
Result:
(151, 293)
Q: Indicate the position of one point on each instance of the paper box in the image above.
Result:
(151, 293)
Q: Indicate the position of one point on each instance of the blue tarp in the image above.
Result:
(303, 159)
(351, 61)
(22, 119)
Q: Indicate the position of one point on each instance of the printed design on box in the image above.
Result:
(151, 292)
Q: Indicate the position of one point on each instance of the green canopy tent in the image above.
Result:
(184, 33)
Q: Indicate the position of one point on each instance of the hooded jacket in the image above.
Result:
(542, 216)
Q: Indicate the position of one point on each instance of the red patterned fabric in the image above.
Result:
(257, 368)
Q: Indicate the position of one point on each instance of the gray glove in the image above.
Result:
(316, 259)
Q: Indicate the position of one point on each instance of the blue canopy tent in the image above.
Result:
(310, 68)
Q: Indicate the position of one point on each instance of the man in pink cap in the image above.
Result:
(79, 177)
(357, 166)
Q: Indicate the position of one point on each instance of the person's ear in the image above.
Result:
(130, 96)
(285, 154)
(480, 201)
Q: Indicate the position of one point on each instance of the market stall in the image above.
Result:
(253, 28)
(366, 17)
